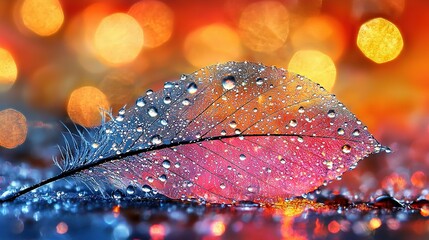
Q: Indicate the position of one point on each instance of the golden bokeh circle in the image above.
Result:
(13, 128)
(8, 70)
(43, 17)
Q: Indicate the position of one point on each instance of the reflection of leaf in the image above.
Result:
(235, 131)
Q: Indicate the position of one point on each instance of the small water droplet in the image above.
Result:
(156, 140)
(164, 122)
(139, 129)
(146, 188)
(177, 165)
(300, 139)
(329, 164)
(117, 194)
(233, 124)
(301, 109)
(237, 131)
(356, 132)
(152, 111)
(121, 111)
(331, 114)
(346, 148)
(131, 190)
(140, 102)
(120, 118)
(222, 186)
(150, 179)
(259, 81)
(149, 92)
(242, 157)
(223, 133)
(228, 82)
(162, 178)
(251, 189)
(166, 164)
(192, 88)
(293, 123)
(95, 145)
(186, 102)
(340, 131)
(168, 85)
(183, 77)
(167, 100)
(282, 161)
(298, 87)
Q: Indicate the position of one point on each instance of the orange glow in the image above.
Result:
(62, 228)
(217, 228)
(295, 207)
(156, 19)
(116, 210)
(424, 211)
(314, 65)
(322, 33)
(118, 39)
(334, 227)
(43, 17)
(380, 40)
(264, 26)
(157, 232)
(418, 179)
(85, 106)
(394, 181)
(13, 128)
(212, 44)
(374, 223)
(287, 230)
(8, 70)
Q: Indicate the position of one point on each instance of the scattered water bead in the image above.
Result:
(164, 122)
(119, 118)
(177, 165)
(259, 81)
(186, 102)
(139, 129)
(222, 186)
(228, 82)
(301, 109)
(162, 178)
(156, 140)
(293, 123)
(346, 148)
(117, 194)
(149, 92)
(95, 145)
(242, 157)
(331, 113)
(152, 111)
(356, 132)
(167, 100)
(192, 88)
(146, 188)
(168, 85)
(131, 190)
(233, 124)
(340, 131)
(166, 164)
(183, 77)
(140, 102)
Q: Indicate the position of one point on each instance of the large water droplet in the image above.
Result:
(140, 102)
(166, 164)
(228, 82)
(162, 178)
(242, 157)
(146, 188)
(117, 194)
(346, 148)
(119, 118)
(331, 114)
(233, 124)
(168, 85)
(293, 123)
(131, 190)
(340, 131)
(186, 102)
(356, 132)
(259, 81)
(167, 100)
(156, 140)
(222, 186)
(152, 111)
(192, 88)
(301, 109)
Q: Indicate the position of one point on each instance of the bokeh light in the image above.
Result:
(212, 44)
(13, 128)
(380, 40)
(314, 65)
(264, 26)
(156, 19)
(321, 33)
(85, 106)
(8, 70)
(43, 17)
(118, 39)
(62, 228)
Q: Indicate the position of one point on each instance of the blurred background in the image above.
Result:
(60, 61)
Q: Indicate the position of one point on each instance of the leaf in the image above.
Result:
(234, 131)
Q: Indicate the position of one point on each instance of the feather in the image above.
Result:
(234, 131)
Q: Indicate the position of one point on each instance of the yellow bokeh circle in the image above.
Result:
(43, 17)
(8, 70)
(13, 128)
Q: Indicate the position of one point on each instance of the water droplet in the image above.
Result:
(223, 133)
(340, 131)
(293, 123)
(298, 87)
(146, 188)
(177, 165)
(282, 161)
(331, 114)
(329, 164)
(120, 118)
(242, 157)
(162, 178)
(192, 88)
(149, 92)
(300, 139)
(233, 124)
(140, 102)
(237, 131)
(131, 190)
(346, 148)
(166, 164)
(121, 111)
(186, 102)
(168, 85)
(259, 81)
(139, 129)
(117, 194)
(356, 132)
(152, 111)
(150, 179)
(164, 122)
(95, 145)
(183, 77)
(251, 189)
(156, 140)
(167, 100)
(228, 82)
(301, 109)
(222, 186)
